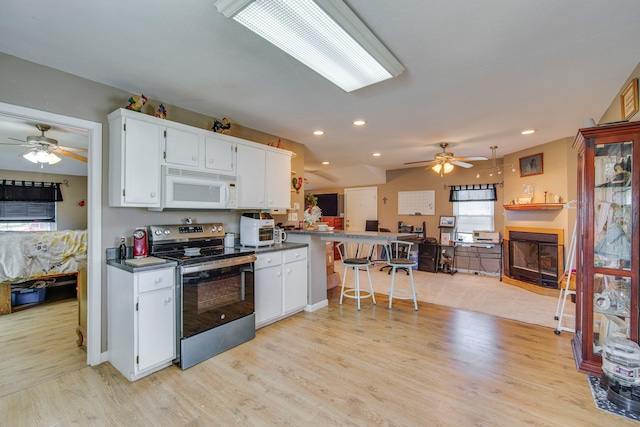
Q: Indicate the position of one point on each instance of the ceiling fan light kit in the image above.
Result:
(444, 162)
(41, 156)
(325, 35)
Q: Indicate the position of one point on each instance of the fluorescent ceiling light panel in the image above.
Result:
(325, 35)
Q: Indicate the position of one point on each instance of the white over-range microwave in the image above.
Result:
(189, 189)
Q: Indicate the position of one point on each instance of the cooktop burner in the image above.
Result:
(193, 243)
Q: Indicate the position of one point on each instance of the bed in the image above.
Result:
(37, 255)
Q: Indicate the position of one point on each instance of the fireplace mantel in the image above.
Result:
(533, 206)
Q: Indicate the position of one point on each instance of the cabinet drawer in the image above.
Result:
(294, 254)
(268, 260)
(157, 279)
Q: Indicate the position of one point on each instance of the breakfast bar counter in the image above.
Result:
(317, 240)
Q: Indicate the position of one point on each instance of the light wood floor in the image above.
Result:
(39, 344)
(436, 367)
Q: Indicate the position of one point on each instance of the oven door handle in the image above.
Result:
(210, 265)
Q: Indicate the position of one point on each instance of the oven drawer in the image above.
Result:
(156, 279)
(269, 259)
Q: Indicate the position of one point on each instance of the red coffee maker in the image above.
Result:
(140, 243)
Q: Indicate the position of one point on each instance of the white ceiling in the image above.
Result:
(477, 72)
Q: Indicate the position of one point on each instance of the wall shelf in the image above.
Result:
(533, 206)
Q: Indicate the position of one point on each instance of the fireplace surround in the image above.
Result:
(534, 258)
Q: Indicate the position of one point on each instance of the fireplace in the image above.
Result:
(534, 256)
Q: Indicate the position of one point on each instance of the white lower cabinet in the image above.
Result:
(280, 285)
(141, 319)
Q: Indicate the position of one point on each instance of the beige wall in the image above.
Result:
(70, 215)
(614, 112)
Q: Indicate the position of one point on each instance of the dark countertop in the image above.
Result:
(131, 269)
(362, 235)
(273, 248)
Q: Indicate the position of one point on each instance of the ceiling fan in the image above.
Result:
(44, 150)
(444, 162)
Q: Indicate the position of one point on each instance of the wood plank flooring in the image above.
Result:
(436, 367)
(39, 344)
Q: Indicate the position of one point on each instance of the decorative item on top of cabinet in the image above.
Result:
(608, 219)
(161, 112)
(136, 102)
(221, 126)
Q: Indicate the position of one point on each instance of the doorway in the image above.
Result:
(94, 213)
(361, 205)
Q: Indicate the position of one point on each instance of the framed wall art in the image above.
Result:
(531, 165)
(447, 221)
(629, 100)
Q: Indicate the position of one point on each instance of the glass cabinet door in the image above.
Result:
(612, 249)
(612, 206)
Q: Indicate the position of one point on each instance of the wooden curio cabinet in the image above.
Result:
(607, 246)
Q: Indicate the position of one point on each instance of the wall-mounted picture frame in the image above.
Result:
(629, 100)
(448, 221)
(531, 165)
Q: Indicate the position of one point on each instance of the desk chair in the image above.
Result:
(398, 252)
(358, 257)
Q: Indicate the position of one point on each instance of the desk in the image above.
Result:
(316, 241)
(475, 253)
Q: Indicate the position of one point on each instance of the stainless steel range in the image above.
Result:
(215, 292)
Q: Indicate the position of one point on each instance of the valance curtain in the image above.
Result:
(29, 191)
(473, 193)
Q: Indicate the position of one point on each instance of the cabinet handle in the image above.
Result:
(158, 280)
(288, 271)
(194, 157)
(167, 300)
(153, 194)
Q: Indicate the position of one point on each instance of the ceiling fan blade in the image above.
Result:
(11, 144)
(421, 161)
(80, 150)
(461, 164)
(19, 140)
(472, 158)
(72, 155)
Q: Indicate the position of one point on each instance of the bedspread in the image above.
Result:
(29, 255)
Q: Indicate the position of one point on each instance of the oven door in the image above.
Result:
(215, 293)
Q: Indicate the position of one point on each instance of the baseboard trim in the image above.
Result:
(532, 288)
(316, 306)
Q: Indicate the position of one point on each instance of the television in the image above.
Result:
(328, 203)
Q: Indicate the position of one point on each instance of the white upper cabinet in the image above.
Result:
(220, 155)
(264, 176)
(182, 147)
(134, 160)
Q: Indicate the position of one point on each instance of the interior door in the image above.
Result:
(361, 204)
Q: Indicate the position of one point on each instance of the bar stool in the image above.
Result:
(398, 252)
(356, 256)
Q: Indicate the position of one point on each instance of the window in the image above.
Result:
(473, 216)
(473, 207)
(28, 206)
(27, 216)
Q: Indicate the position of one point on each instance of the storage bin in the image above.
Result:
(28, 296)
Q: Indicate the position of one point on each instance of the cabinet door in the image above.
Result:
(278, 178)
(141, 161)
(268, 293)
(295, 285)
(182, 148)
(251, 176)
(220, 155)
(156, 328)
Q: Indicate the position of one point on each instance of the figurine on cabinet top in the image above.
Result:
(136, 102)
(221, 126)
(161, 112)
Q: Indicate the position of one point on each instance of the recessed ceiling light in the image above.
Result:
(377, 154)
(359, 122)
(528, 131)
(325, 163)
(318, 132)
